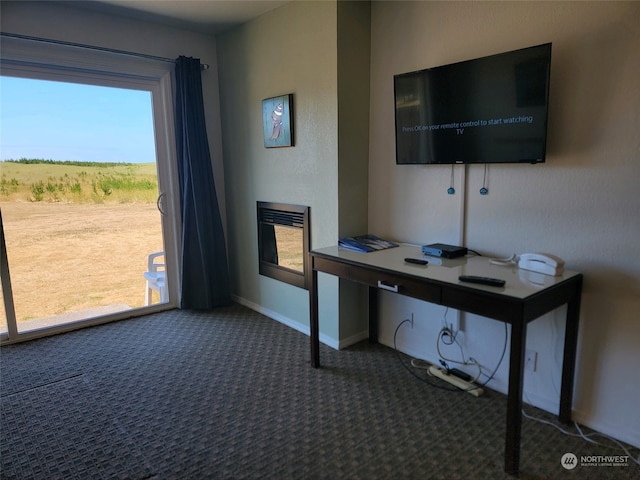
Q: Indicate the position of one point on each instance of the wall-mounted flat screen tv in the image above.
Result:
(487, 110)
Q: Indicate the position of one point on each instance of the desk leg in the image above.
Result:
(514, 398)
(373, 315)
(313, 319)
(569, 357)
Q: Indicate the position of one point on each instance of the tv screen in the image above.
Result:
(488, 110)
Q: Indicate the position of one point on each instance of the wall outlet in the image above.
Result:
(531, 360)
(451, 320)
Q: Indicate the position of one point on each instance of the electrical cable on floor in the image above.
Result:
(422, 379)
(584, 436)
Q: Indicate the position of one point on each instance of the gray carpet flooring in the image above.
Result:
(230, 395)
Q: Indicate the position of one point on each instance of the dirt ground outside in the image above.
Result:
(66, 257)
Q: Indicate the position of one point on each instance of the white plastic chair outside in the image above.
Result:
(156, 279)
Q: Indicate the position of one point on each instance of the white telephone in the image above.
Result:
(542, 263)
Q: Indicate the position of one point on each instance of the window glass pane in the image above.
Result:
(78, 191)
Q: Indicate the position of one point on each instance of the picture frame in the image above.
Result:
(277, 121)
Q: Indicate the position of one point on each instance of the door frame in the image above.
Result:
(46, 61)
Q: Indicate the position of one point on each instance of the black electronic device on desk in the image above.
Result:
(443, 250)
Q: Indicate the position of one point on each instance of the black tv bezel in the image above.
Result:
(547, 45)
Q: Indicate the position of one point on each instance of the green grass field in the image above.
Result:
(77, 182)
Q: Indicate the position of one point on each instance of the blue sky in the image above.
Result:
(67, 121)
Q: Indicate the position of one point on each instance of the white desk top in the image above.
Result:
(519, 283)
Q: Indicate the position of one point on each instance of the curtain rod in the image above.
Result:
(203, 66)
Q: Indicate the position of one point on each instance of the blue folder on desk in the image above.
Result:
(365, 243)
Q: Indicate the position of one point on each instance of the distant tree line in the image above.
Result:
(74, 163)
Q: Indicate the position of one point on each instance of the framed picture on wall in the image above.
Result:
(277, 121)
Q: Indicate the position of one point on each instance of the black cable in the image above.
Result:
(423, 379)
(504, 349)
(446, 332)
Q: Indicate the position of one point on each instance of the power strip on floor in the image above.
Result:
(457, 382)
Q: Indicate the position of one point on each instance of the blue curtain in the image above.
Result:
(205, 277)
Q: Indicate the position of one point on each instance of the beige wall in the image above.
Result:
(290, 50)
(582, 205)
(319, 51)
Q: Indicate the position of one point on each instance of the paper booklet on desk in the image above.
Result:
(365, 243)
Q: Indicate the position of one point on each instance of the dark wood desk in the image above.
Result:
(525, 297)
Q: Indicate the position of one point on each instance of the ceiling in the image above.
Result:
(204, 16)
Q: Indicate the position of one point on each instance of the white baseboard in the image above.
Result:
(329, 341)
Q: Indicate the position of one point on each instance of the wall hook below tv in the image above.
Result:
(484, 190)
(451, 190)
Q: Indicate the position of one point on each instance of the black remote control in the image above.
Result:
(494, 282)
(417, 261)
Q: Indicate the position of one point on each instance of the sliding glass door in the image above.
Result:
(87, 199)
